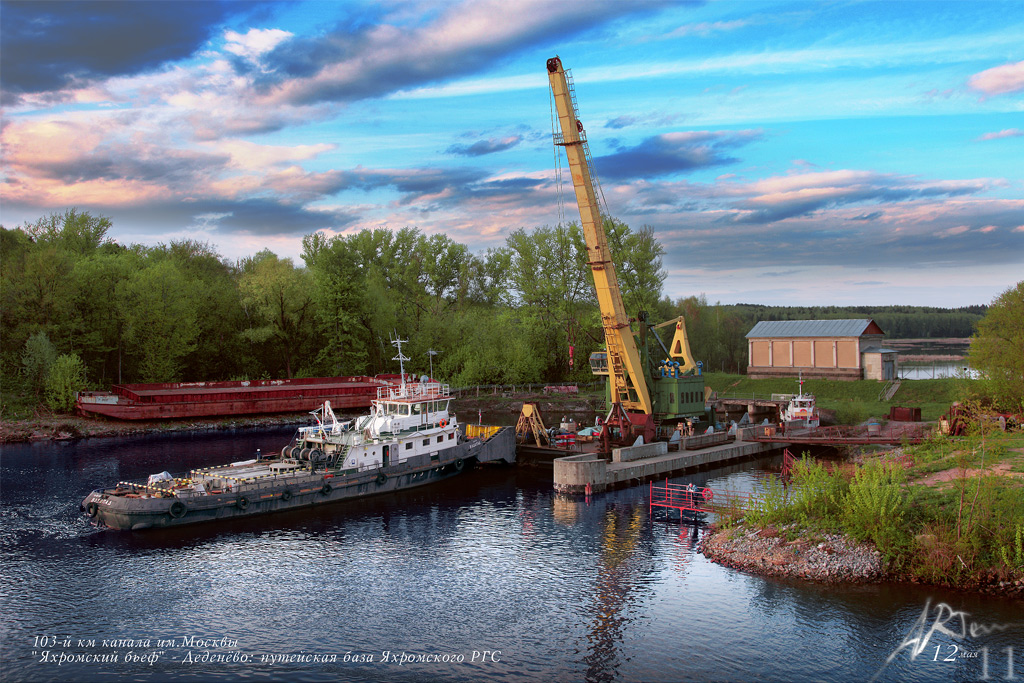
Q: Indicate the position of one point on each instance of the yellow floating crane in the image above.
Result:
(624, 362)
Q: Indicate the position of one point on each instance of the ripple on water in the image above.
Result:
(566, 589)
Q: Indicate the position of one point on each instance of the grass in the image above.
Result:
(965, 531)
(851, 401)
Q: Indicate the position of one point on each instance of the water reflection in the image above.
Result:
(567, 589)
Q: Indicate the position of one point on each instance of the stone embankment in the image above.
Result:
(830, 558)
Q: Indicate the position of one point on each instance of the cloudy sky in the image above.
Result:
(784, 152)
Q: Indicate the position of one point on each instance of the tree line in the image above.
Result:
(522, 312)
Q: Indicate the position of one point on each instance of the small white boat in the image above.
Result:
(801, 411)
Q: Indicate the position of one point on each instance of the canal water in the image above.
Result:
(485, 577)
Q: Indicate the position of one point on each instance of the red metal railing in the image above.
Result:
(690, 498)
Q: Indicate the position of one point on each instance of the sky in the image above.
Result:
(784, 153)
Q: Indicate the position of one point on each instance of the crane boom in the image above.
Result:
(626, 374)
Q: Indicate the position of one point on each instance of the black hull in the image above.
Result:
(291, 491)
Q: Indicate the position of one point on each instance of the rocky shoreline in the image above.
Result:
(829, 558)
(824, 558)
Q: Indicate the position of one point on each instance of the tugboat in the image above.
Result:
(801, 411)
(409, 438)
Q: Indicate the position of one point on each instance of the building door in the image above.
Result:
(888, 369)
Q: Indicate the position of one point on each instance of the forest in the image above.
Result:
(522, 312)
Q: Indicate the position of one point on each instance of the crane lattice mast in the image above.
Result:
(625, 371)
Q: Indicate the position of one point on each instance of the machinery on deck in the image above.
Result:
(642, 392)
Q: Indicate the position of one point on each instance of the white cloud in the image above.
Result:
(254, 43)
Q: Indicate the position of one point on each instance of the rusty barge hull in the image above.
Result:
(181, 400)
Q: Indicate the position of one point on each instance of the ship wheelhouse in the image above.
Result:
(404, 422)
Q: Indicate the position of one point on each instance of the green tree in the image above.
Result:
(99, 283)
(339, 285)
(638, 265)
(76, 231)
(36, 360)
(278, 301)
(997, 349)
(159, 310)
(219, 350)
(66, 378)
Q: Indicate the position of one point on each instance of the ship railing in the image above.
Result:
(416, 391)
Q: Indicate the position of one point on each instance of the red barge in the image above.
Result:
(172, 400)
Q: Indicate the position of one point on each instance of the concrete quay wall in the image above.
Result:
(575, 473)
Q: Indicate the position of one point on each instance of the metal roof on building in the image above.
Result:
(814, 328)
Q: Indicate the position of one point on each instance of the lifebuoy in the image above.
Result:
(459, 464)
(242, 503)
(325, 489)
(286, 495)
(381, 479)
(443, 423)
(708, 494)
(92, 509)
(177, 509)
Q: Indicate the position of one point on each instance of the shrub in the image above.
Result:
(770, 504)
(66, 377)
(817, 493)
(36, 360)
(875, 505)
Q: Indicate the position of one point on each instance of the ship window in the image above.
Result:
(426, 442)
(440, 438)
(408, 445)
(451, 436)
(403, 409)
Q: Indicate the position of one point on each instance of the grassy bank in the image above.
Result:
(850, 402)
(948, 512)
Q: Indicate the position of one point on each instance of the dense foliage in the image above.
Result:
(522, 312)
(997, 349)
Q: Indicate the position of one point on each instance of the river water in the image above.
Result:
(487, 576)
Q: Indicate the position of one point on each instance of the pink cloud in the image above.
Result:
(999, 80)
(1005, 133)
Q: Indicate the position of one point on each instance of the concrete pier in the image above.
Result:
(574, 473)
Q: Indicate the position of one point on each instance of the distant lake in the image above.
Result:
(932, 358)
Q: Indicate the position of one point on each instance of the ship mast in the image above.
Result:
(397, 342)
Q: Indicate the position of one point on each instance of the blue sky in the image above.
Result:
(784, 153)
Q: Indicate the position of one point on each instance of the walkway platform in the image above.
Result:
(590, 473)
(893, 433)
